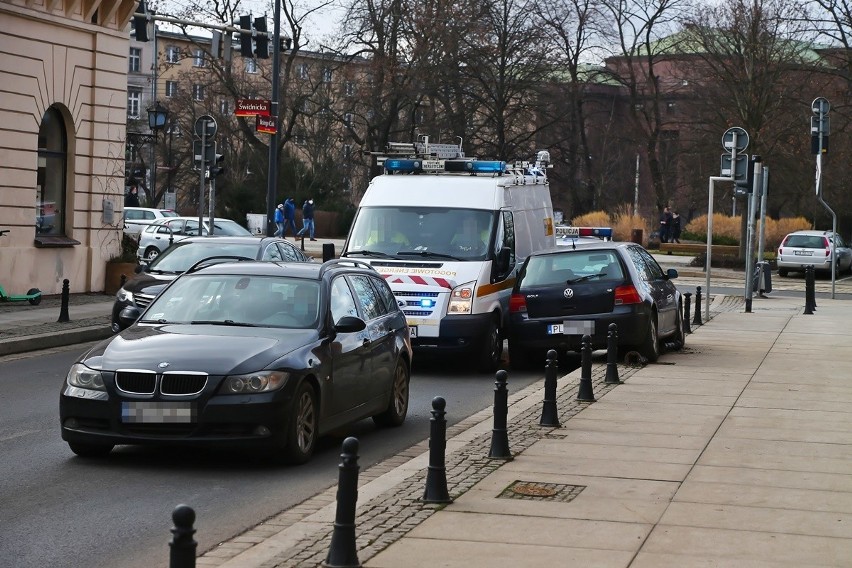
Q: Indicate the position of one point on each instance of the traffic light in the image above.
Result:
(747, 183)
(261, 40)
(217, 168)
(246, 40)
(140, 21)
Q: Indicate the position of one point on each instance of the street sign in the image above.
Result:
(206, 126)
(265, 124)
(252, 107)
(740, 167)
(728, 139)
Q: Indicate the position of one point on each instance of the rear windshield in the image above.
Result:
(806, 241)
(572, 267)
(180, 257)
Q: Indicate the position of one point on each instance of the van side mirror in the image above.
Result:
(502, 266)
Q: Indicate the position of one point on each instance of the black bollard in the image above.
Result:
(327, 251)
(436, 476)
(63, 310)
(123, 280)
(697, 319)
(612, 356)
(182, 553)
(303, 242)
(586, 392)
(813, 287)
(549, 413)
(343, 552)
(499, 434)
(810, 283)
(686, 315)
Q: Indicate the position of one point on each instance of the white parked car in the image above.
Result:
(157, 237)
(137, 218)
(812, 248)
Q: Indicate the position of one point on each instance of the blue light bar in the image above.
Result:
(486, 167)
(602, 232)
(398, 165)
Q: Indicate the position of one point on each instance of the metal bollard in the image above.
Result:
(182, 553)
(549, 413)
(436, 476)
(499, 434)
(303, 242)
(343, 552)
(586, 393)
(327, 251)
(697, 319)
(813, 287)
(686, 315)
(810, 293)
(63, 311)
(612, 356)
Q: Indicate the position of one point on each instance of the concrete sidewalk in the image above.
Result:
(735, 452)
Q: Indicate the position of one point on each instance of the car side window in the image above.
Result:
(385, 294)
(289, 253)
(191, 228)
(271, 252)
(149, 215)
(371, 304)
(342, 301)
(640, 263)
(654, 270)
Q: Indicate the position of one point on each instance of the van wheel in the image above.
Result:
(492, 349)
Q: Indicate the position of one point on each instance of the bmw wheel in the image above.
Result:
(302, 427)
(394, 414)
(650, 349)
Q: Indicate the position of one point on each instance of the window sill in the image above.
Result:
(55, 242)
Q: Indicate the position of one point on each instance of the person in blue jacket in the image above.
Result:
(289, 216)
(279, 220)
(307, 219)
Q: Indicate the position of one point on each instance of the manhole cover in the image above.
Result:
(533, 490)
(541, 491)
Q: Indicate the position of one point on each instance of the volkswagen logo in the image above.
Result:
(568, 293)
(163, 365)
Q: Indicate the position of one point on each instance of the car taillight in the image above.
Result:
(517, 303)
(827, 246)
(627, 294)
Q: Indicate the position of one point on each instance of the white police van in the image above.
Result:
(449, 233)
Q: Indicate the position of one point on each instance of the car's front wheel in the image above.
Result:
(394, 414)
(151, 253)
(90, 450)
(302, 426)
(650, 349)
(679, 338)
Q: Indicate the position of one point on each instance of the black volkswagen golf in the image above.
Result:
(564, 293)
(245, 354)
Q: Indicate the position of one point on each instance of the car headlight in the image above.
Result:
(85, 378)
(124, 296)
(461, 299)
(251, 383)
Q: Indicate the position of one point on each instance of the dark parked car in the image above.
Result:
(245, 354)
(564, 293)
(152, 278)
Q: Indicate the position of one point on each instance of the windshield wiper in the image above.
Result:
(225, 322)
(429, 253)
(586, 277)
(158, 271)
(368, 253)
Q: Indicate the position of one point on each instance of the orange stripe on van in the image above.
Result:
(487, 289)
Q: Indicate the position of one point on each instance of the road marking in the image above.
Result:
(18, 435)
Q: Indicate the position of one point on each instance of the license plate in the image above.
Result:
(803, 252)
(586, 327)
(157, 412)
(433, 165)
(412, 331)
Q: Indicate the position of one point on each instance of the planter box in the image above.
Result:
(114, 272)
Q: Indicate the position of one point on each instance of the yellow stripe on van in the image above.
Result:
(487, 289)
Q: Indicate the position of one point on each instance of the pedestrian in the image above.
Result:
(279, 220)
(132, 197)
(675, 227)
(665, 220)
(307, 219)
(289, 216)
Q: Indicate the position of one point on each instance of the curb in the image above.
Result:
(48, 340)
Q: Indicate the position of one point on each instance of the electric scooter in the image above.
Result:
(33, 295)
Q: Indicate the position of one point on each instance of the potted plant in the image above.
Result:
(121, 265)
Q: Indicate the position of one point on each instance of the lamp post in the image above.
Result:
(157, 117)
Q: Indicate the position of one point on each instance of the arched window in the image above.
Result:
(52, 169)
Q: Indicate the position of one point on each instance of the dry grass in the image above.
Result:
(725, 225)
(622, 222)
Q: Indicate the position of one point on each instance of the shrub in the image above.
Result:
(129, 246)
(622, 223)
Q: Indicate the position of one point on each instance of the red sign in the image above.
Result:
(266, 124)
(252, 107)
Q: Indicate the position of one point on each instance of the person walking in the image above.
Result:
(675, 228)
(665, 220)
(132, 197)
(289, 216)
(279, 220)
(307, 219)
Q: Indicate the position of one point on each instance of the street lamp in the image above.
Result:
(158, 115)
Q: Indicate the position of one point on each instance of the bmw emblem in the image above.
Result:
(568, 293)
(163, 365)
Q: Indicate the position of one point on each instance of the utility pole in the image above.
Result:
(272, 178)
(820, 128)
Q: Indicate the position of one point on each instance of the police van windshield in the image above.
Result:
(403, 232)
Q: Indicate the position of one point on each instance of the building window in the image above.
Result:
(350, 89)
(171, 89)
(251, 65)
(302, 71)
(50, 178)
(172, 54)
(198, 92)
(347, 119)
(299, 139)
(326, 75)
(135, 61)
(198, 59)
(224, 107)
(134, 102)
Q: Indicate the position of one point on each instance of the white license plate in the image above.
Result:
(157, 412)
(803, 253)
(433, 165)
(585, 327)
(412, 331)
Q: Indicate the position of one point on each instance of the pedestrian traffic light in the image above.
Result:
(747, 183)
(140, 21)
(217, 168)
(246, 40)
(261, 40)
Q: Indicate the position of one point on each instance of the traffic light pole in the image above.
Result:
(201, 171)
(272, 177)
(749, 252)
(820, 130)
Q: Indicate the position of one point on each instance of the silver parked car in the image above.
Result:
(812, 248)
(157, 237)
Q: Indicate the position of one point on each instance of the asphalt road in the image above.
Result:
(59, 510)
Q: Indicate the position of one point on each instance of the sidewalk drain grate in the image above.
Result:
(532, 490)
